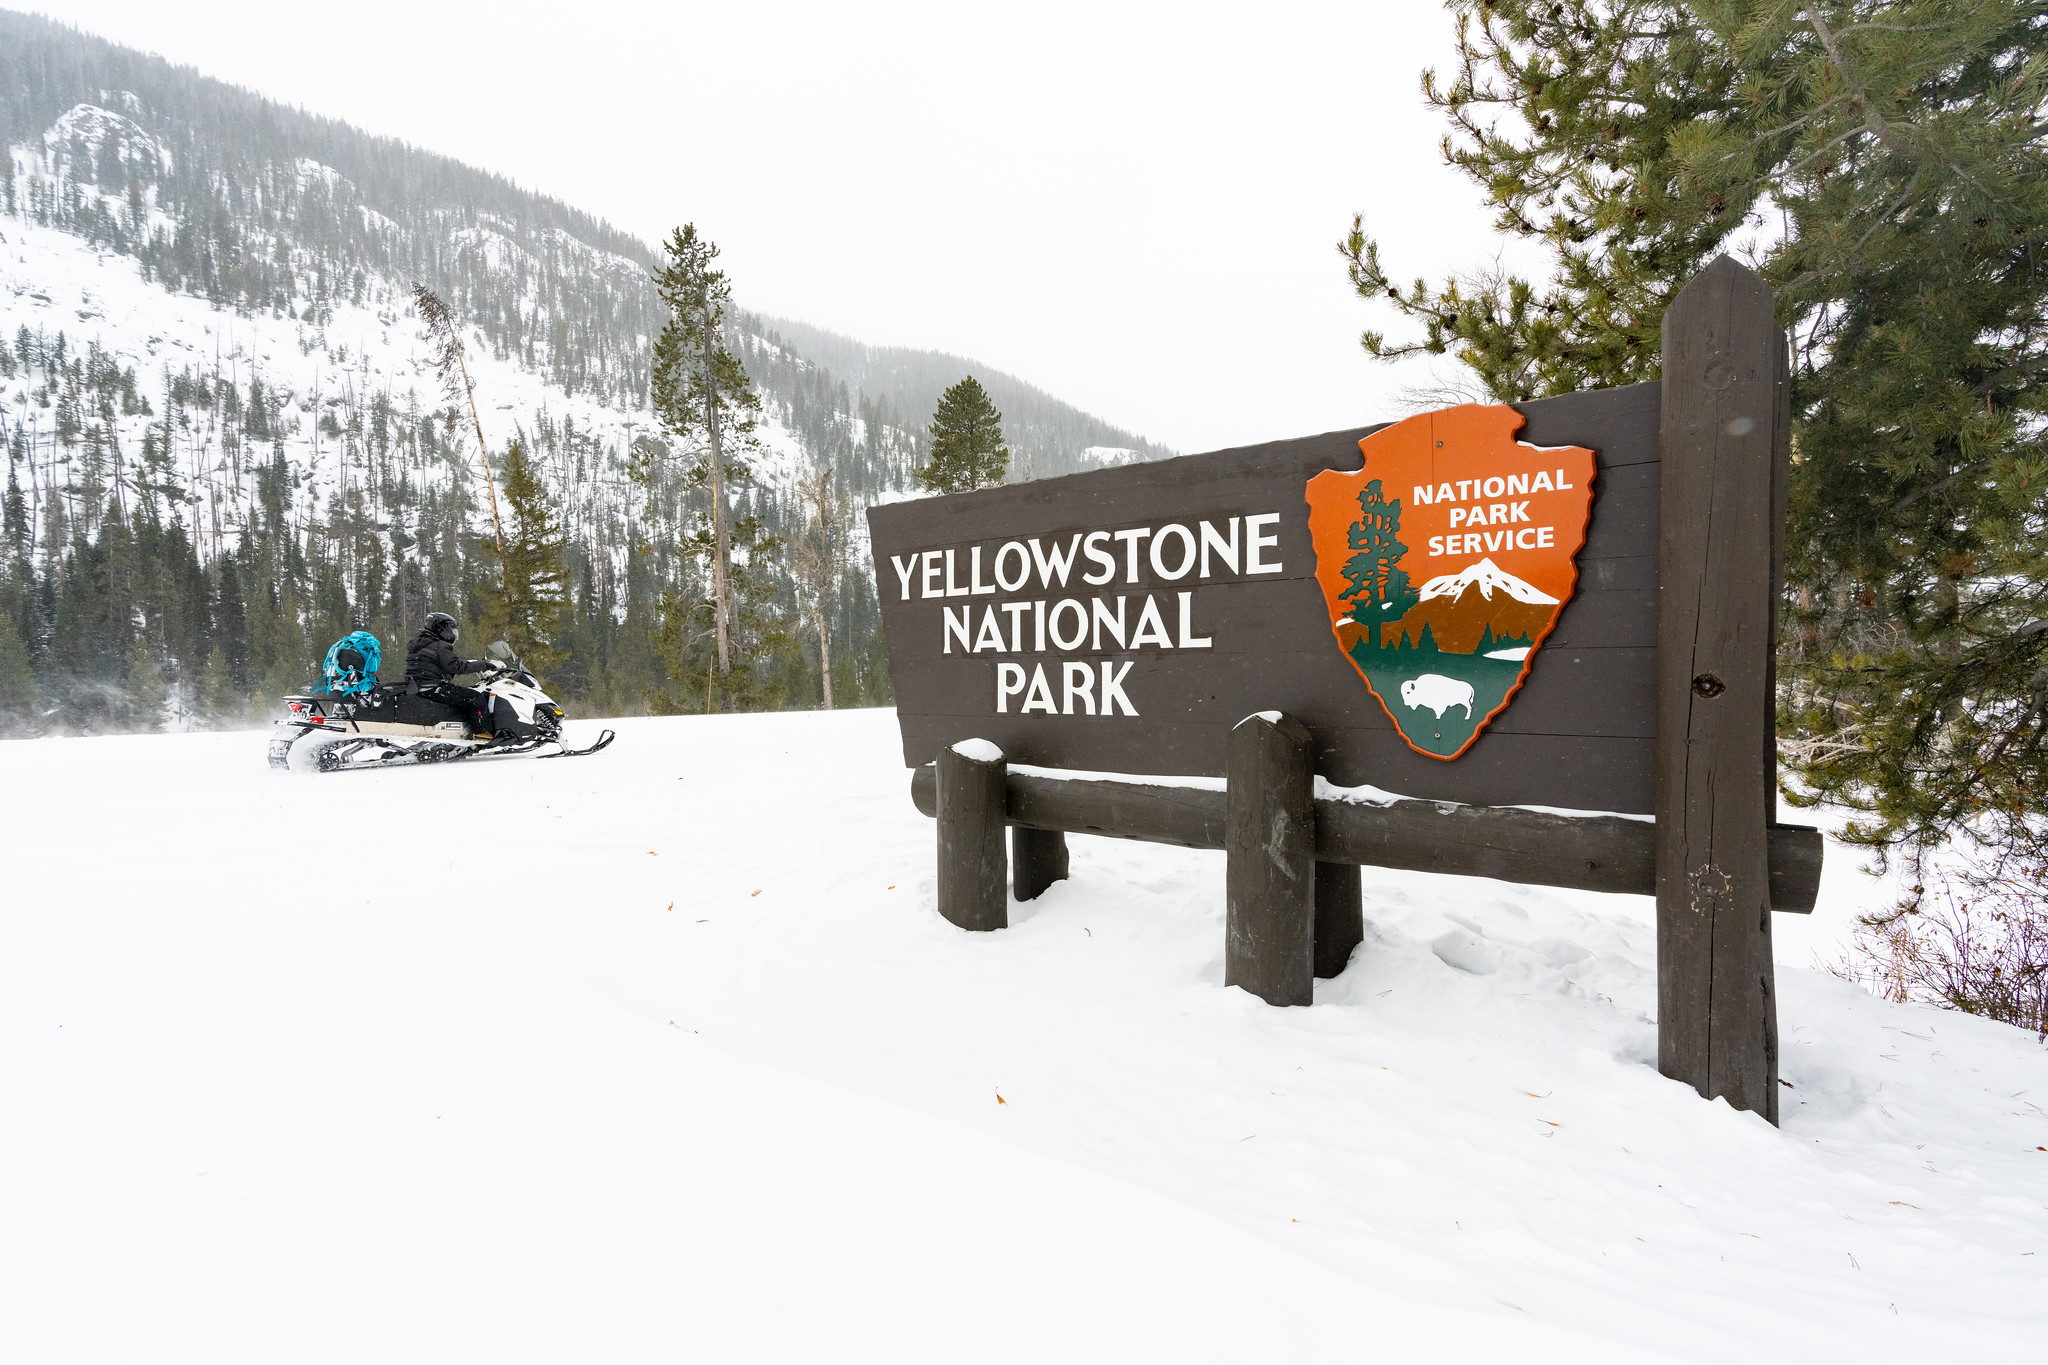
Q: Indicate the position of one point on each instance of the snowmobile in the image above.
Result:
(391, 725)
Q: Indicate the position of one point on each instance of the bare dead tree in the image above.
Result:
(453, 367)
(820, 560)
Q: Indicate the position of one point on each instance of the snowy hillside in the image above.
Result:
(322, 353)
(321, 373)
(208, 346)
(613, 1073)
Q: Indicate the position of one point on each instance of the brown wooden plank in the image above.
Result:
(1273, 645)
(1619, 424)
(1597, 616)
(1340, 916)
(1038, 858)
(1582, 853)
(1628, 478)
(1624, 522)
(1781, 497)
(1624, 618)
(1606, 773)
(1797, 852)
(1159, 687)
(1623, 573)
(1721, 411)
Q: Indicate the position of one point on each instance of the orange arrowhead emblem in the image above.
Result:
(1446, 562)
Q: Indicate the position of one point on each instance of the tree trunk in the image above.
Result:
(825, 649)
(483, 452)
(721, 556)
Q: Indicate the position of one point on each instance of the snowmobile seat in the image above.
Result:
(385, 693)
(395, 703)
(410, 708)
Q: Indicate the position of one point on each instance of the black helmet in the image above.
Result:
(441, 624)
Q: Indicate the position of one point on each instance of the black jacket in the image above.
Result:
(431, 659)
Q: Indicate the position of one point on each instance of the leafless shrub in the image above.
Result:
(1975, 940)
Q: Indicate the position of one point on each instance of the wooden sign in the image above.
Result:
(1179, 617)
(1123, 620)
(1446, 561)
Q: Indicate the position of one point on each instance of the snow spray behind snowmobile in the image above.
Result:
(392, 725)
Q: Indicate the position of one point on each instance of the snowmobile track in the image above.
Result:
(333, 751)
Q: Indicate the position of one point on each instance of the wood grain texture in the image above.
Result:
(970, 798)
(1724, 406)
(1269, 841)
(1340, 916)
(1579, 734)
(1582, 853)
(1038, 858)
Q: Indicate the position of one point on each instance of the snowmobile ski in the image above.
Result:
(602, 740)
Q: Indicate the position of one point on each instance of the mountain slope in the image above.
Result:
(209, 345)
(1048, 437)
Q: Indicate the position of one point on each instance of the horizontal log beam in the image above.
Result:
(1579, 853)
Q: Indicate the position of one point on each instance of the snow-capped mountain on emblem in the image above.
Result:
(1464, 610)
(1494, 524)
(1485, 576)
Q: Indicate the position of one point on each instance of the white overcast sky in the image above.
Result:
(1134, 207)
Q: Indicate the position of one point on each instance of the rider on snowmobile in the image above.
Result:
(430, 660)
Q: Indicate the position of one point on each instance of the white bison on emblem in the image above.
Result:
(1438, 693)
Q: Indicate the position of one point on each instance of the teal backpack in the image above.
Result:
(351, 665)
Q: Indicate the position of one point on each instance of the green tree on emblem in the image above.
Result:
(1379, 589)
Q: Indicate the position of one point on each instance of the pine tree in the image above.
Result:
(14, 515)
(284, 656)
(230, 618)
(704, 398)
(967, 441)
(147, 695)
(528, 603)
(20, 697)
(220, 701)
(1895, 147)
(755, 630)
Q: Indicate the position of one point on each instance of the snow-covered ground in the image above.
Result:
(664, 1054)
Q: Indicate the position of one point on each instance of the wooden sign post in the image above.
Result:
(1567, 603)
(1269, 831)
(971, 798)
(1724, 438)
